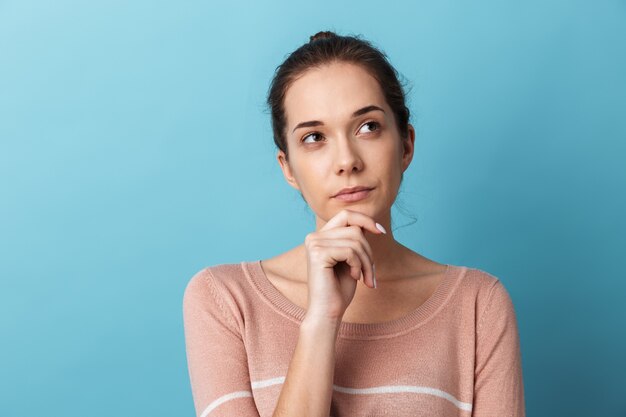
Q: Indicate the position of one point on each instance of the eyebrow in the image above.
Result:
(357, 113)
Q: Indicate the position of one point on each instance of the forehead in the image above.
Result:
(331, 93)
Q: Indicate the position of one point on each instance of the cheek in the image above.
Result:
(311, 176)
(317, 169)
(391, 159)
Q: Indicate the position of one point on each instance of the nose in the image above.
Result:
(347, 157)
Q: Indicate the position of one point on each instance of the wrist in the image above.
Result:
(320, 322)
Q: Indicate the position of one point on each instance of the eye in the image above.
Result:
(372, 126)
(313, 135)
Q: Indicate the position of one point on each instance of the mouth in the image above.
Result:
(354, 196)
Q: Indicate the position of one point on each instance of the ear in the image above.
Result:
(408, 145)
(284, 166)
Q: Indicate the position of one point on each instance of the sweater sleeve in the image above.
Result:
(498, 382)
(216, 355)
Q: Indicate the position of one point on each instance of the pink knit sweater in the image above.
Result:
(457, 354)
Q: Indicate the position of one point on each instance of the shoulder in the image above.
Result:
(216, 290)
(480, 277)
(217, 282)
(480, 281)
(493, 300)
(486, 289)
(216, 277)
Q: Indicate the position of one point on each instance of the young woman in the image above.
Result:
(350, 322)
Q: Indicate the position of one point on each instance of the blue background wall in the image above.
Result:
(135, 149)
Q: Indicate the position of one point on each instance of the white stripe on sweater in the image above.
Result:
(221, 400)
(385, 389)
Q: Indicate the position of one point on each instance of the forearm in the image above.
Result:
(308, 387)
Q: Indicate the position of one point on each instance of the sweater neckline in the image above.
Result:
(350, 330)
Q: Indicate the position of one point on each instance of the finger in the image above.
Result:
(350, 232)
(354, 247)
(350, 217)
(354, 261)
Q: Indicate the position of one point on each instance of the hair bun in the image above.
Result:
(322, 35)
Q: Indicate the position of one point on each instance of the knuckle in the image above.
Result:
(363, 250)
(355, 229)
(353, 256)
(315, 250)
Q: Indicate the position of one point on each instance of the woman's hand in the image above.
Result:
(337, 256)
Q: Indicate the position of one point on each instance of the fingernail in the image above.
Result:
(381, 228)
(374, 269)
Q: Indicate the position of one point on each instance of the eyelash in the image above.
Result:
(371, 122)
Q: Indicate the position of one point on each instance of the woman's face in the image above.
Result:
(336, 138)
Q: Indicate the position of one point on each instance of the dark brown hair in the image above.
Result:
(327, 47)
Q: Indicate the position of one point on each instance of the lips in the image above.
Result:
(352, 190)
(354, 196)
